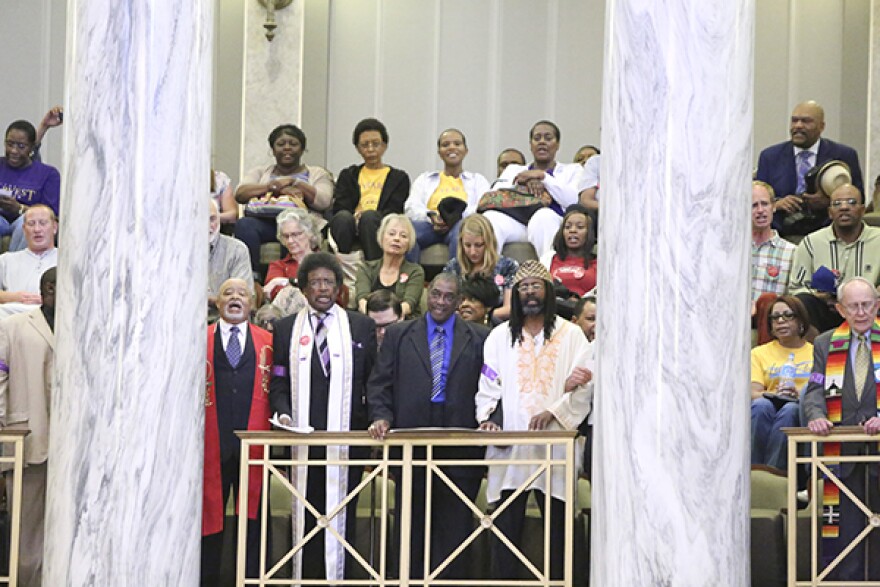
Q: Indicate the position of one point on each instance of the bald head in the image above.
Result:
(807, 124)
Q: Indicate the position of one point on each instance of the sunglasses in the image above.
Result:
(782, 316)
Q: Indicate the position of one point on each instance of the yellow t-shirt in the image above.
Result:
(449, 187)
(768, 359)
(371, 182)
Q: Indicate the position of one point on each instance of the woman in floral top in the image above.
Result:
(478, 255)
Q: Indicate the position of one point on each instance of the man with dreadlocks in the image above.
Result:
(534, 377)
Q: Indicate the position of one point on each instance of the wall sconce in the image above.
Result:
(271, 6)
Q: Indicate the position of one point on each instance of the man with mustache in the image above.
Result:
(535, 366)
(848, 248)
(236, 398)
(784, 166)
(323, 356)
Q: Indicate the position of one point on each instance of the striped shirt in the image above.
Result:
(771, 265)
(860, 258)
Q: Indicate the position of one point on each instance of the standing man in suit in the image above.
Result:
(236, 398)
(784, 166)
(844, 390)
(27, 357)
(427, 375)
(323, 356)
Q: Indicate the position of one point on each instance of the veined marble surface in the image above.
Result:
(872, 161)
(671, 481)
(272, 82)
(125, 464)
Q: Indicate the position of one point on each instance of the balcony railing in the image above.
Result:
(820, 472)
(399, 455)
(14, 439)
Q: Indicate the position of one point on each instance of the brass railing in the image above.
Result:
(13, 437)
(397, 452)
(819, 470)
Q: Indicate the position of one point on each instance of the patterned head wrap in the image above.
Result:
(532, 268)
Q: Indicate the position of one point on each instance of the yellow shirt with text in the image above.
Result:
(449, 187)
(371, 182)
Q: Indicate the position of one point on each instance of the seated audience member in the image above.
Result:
(239, 362)
(384, 308)
(392, 271)
(478, 256)
(584, 315)
(221, 192)
(266, 317)
(788, 324)
(428, 204)
(874, 196)
(588, 184)
(585, 153)
(366, 193)
(227, 259)
(555, 184)
(507, 157)
(785, 165)
(24, 182)
(825, 258)
(479, 296)
(771, 254)
(287, 182)
(572, 263)
(20, 271)
(298, 235)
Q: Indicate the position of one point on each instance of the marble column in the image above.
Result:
(272, 85)
(125, 464)
(671, 482)
(871, 165)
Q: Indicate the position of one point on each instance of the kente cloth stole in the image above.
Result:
(835, 368)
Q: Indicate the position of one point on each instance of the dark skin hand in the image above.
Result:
(9, 205)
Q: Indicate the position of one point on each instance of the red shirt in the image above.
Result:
(572, 274)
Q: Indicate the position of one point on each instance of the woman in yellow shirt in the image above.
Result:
(366, 193)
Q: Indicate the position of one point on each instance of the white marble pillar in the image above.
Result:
(125, 464)
(671, 483)
(272, 85)
(871, 166)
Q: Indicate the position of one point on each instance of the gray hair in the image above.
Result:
(304, 219)
(849, 280)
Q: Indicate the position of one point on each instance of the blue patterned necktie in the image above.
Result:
(438, 348)
(321, 342)
(233, 347)
(803, 166)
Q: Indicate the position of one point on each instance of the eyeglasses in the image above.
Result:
(370, 145)
(842, 201)
(290, 235)
(866, 307)
(784, 316)
(17, 145)
(316, 283)
(527, 287)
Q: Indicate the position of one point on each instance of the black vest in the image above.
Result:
(234, 390)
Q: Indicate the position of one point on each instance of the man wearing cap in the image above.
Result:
(785, 165)
(323, 356)
(828, 256)
(844, 390)
(535, 366)
(236, 398)
(427, 375)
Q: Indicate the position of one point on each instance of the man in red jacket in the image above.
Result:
(236, 398)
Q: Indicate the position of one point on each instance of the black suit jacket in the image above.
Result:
(391, 199)
(399, 389)
(363, 339)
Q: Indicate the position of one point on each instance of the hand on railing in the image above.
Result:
(378, 429)
(541, 421)
(872, 426)
(820, 426)
(489, 426)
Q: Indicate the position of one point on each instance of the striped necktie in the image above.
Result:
(321, 342)
(803, 166)
(438, 348)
